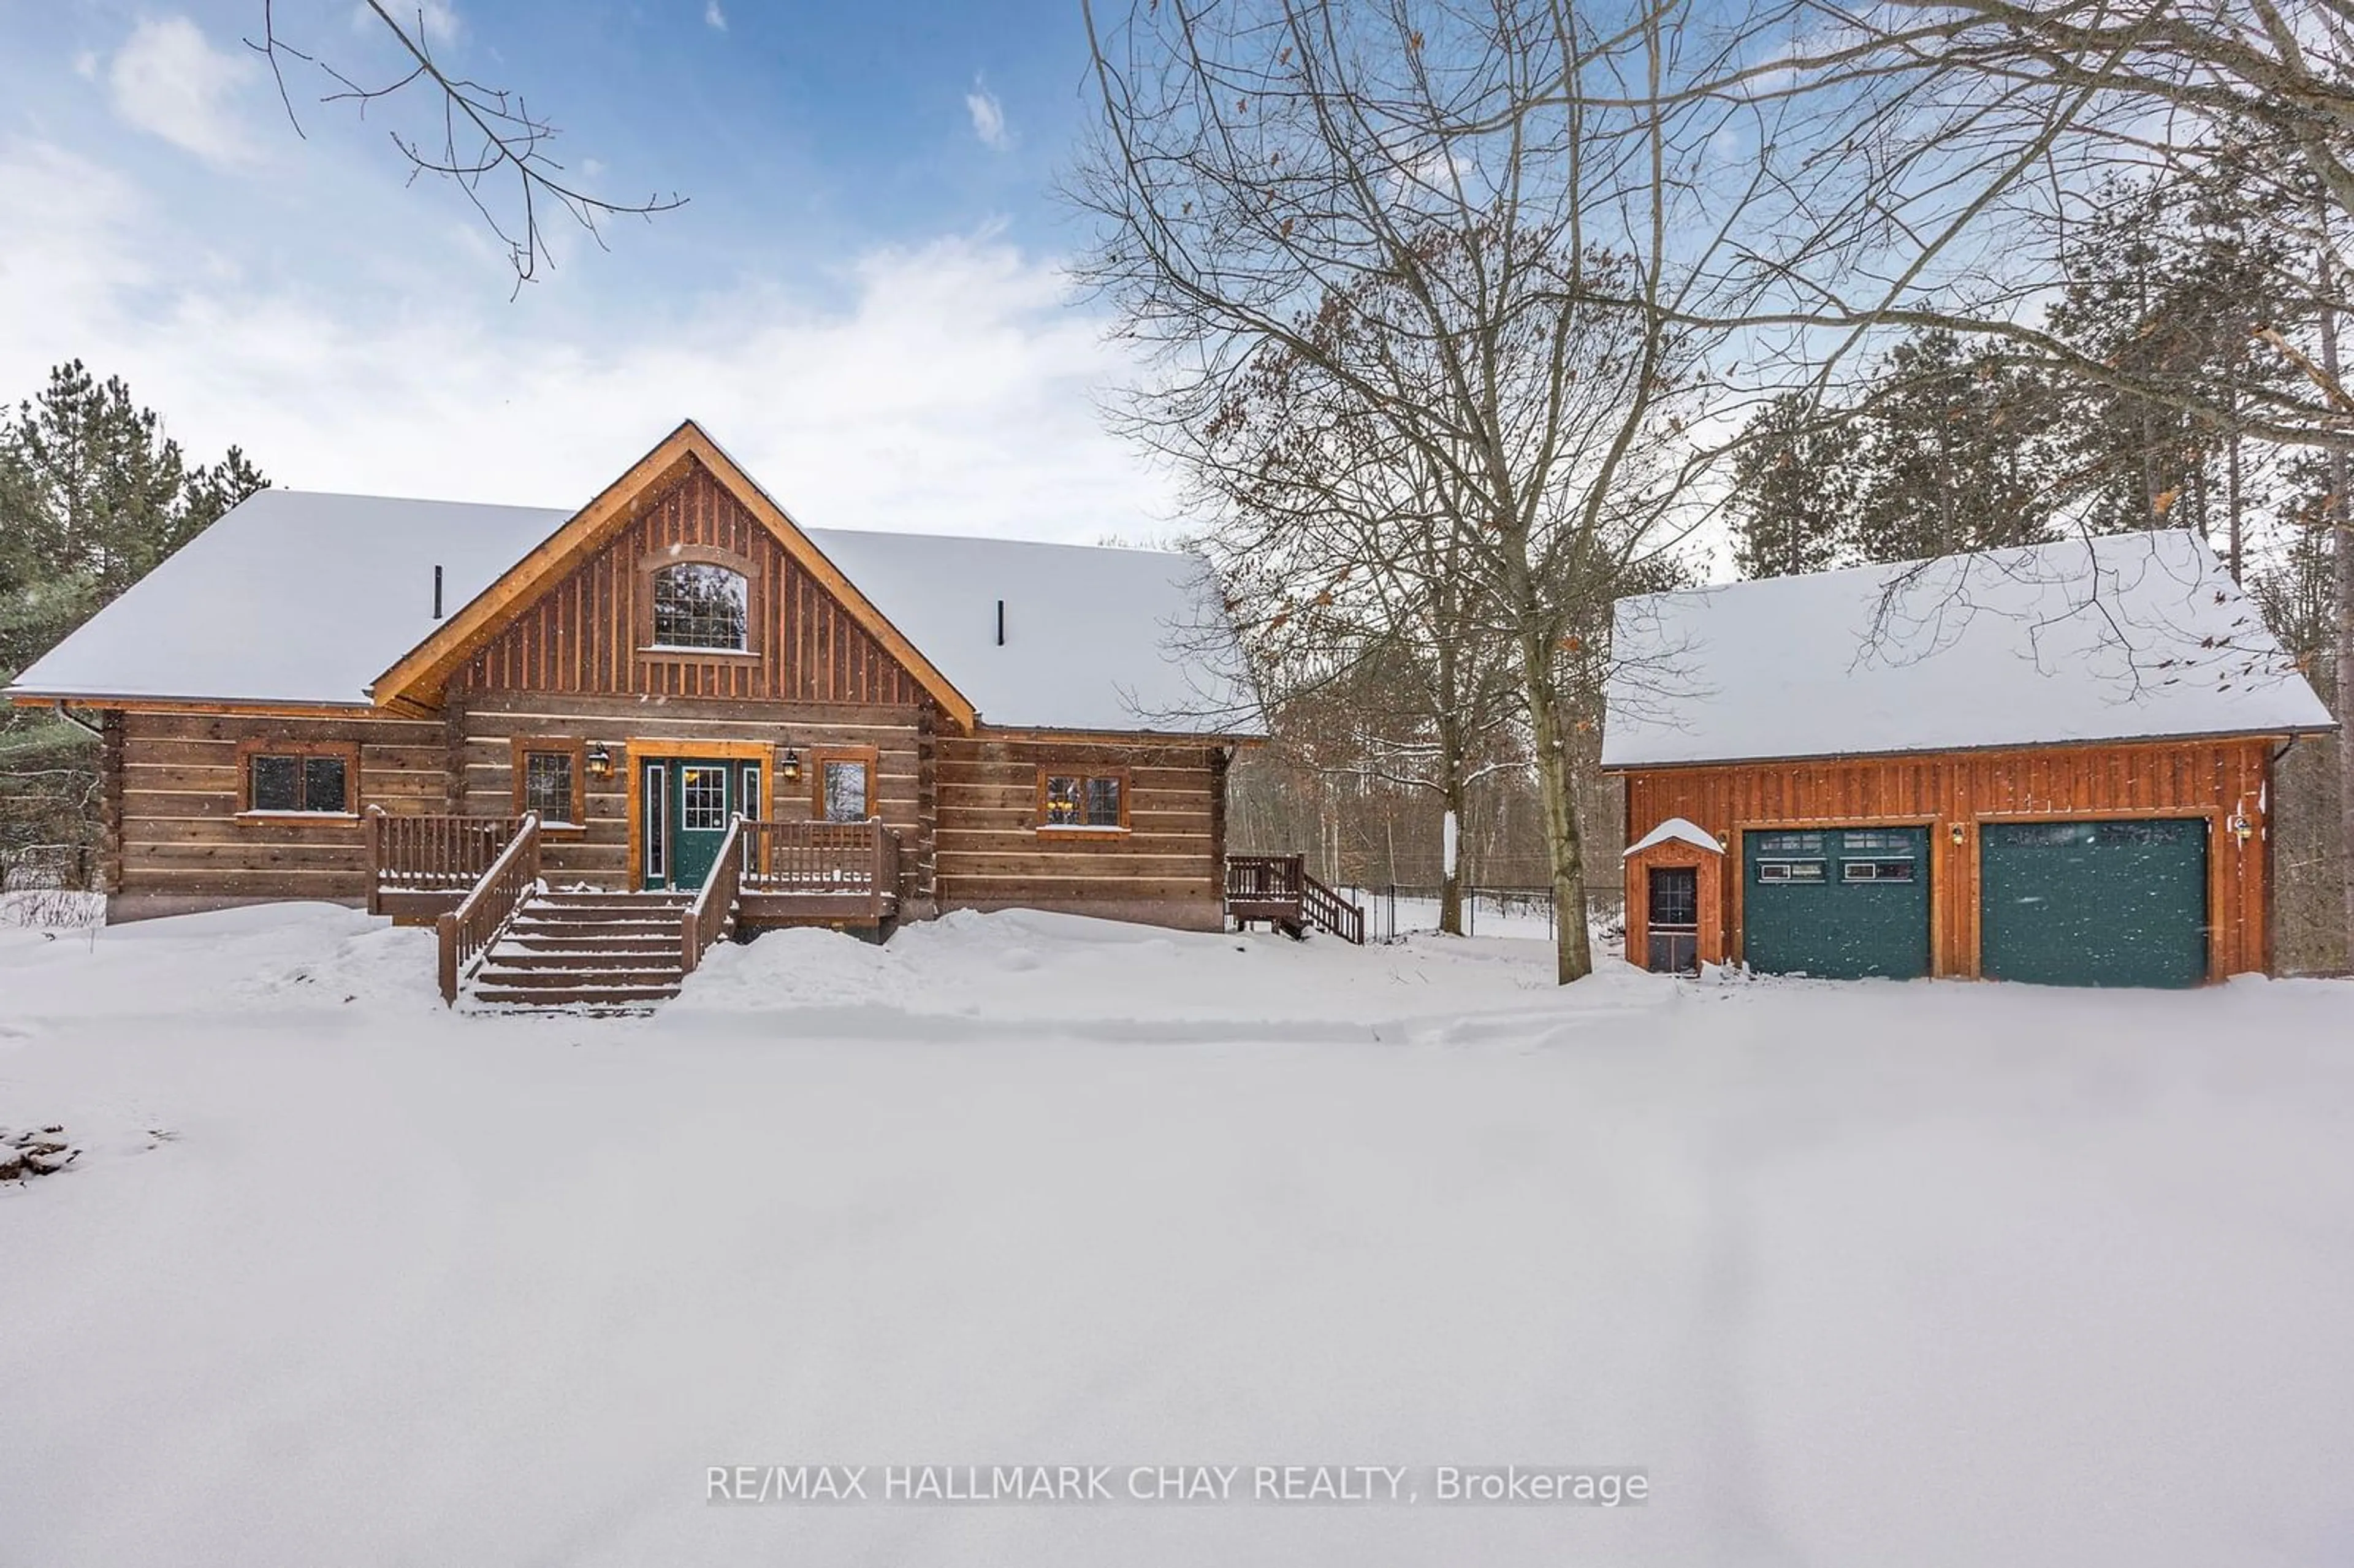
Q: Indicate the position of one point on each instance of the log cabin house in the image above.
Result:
(2049, 765)
(675, 705)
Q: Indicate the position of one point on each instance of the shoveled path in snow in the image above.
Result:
(1859, 1274)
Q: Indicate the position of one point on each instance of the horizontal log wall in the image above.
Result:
(1164, 870)
(175, 839)
(2215, 779)
(585, 633)
(487, 722)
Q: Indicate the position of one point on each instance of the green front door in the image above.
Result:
(2094, 903)
(1837, 903)
(686, 804)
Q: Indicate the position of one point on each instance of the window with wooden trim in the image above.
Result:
(1088, 800)
(842, 784)
(551, 778)
(701, 606)
(294, 778)
(1789, 844)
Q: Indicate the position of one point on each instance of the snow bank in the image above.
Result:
(263, 956)
(1018, 971)
(1858, 1274)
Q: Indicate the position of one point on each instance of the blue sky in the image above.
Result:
(863, 297)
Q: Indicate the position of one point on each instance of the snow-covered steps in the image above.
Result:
(596, 952)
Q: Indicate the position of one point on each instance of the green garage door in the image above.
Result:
(1842, 903)
(2094, 903)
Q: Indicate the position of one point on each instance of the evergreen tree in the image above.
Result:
(2170, 284)
(1794, 490)
(1956, 452)
(93, 497)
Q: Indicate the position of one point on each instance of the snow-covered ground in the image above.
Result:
(1867, 1274)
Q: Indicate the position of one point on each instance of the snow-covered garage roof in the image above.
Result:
(301, 598)
(2128, 637)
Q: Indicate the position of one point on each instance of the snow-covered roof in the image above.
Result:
(297, 597)
(293, 597)
(1096, 638)
(2128, 637)
(1674, 828)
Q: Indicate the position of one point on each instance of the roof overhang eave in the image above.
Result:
(2264, 732)
(134, 700)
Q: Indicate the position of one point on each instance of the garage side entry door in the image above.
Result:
(1840, 903)
(2094, 903)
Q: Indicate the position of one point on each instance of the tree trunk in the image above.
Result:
(2341, 546)
(1573, 950)
(2233, 499)
(1451, 864)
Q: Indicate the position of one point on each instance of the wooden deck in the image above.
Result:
(422, 867)
(818, 874)
(790, 874)
(1277, 889)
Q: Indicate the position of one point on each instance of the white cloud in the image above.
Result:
(85, 65)
(988, 118)
(168, 80)
(436, 19)
(441, 20)
(947, 386)
(712, 16)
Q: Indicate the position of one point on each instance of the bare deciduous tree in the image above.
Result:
(487, 141)
(1343, 564)
(1501, 235)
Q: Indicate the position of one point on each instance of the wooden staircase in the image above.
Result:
(597, 952)
(1277, 889)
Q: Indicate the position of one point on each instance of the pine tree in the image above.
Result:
(93, 497)
(1794, 490)
(1956, 452)
(2170, 284)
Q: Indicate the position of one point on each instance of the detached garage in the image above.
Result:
(2050, 765)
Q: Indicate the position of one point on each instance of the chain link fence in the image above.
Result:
(1397, 910)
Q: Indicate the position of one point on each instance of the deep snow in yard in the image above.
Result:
(1867, 1274)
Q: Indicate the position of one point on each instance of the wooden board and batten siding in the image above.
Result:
(2220, 782)
(1166, 867)
(587, 633)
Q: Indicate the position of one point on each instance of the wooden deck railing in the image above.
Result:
(705, 920)
(431, 854)
(857, 859)
(1328, 909)
(476, 923)
(1263, 878)
(1276, 888)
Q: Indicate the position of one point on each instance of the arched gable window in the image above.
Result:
(700, 604)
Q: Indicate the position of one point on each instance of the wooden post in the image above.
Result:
(376, 859)
(445, 928)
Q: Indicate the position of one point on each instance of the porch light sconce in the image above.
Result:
(600, 761)
(789, 764)
(1955, 830)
